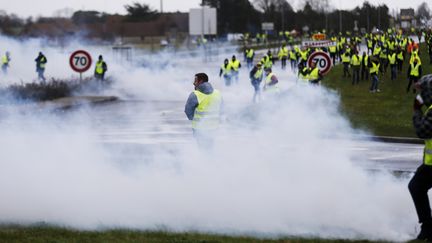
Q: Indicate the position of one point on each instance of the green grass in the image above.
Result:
(387, 113)
(57, 234)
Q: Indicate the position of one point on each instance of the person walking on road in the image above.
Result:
(421, 182)
(100, 69)
(5, 62)
(41, 61)
(256, 76)
(226, 72)
(203, 108)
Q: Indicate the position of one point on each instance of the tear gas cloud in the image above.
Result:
(277, 169)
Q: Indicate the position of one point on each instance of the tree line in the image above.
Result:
(240, 16)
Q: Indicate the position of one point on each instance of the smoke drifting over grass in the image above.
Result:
(279, 168)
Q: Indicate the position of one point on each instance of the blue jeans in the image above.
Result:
(374, 79)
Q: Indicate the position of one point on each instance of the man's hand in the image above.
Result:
(418, 103)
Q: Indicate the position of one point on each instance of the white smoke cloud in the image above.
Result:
(278, 168)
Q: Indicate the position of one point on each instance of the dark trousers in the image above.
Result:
(418, 187)
(41, 74)
(356, 74)
(374, 82)
(346, 69)
(283, 62)
(383, 65)
(333, 57)
(364, 73)
(399, 65)
(411, 80)
(393, 71)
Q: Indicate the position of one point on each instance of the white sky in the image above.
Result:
(49, 7)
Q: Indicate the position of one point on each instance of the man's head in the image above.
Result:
(233, 57)
(259, 65)
(267, 70)
(100, 57)
(199, 79)
(424, 86)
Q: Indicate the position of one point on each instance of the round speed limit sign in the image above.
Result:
(80, 61)
(322, 61)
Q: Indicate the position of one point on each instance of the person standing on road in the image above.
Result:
(374, 66)
(422, 179)
(203, 108)
(41, 61)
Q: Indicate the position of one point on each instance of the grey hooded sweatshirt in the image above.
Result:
(192, 101)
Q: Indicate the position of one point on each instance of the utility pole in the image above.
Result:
(340, 20)
(161, 6)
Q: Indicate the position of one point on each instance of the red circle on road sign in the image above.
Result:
(322, 59)
(80, 61)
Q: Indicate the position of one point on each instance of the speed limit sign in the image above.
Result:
(322, 60)
(80, 61)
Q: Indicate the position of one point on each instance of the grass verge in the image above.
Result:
(387, 113)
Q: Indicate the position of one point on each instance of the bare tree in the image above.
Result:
(423, 11)
(320, 6)
(267, 6)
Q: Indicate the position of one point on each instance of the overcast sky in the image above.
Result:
(51, 7)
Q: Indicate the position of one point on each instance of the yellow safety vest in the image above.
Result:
(235, 64)
(365, 60)
(415, 70)
(427, 152)
(345, 58)
(304, 55)
(42, 63)
(374, 68)
(355, 61)
(249, 53)
(99, 67)
(314, 74)
(5, 60)
(207, 113)
(377, 51)
(332, 49)
(283, 52)
(258, 73)
(302, 76)
(227, 69)
(293, 56)
(270, 88)
(392, 58)
(400, 56)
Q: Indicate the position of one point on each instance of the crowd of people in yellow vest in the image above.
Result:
(380, 52)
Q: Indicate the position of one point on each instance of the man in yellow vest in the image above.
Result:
(250, 53)
(41, 61)
(203, 108)
(374, 65)
(421, 182)
(414, 73)
(235, 65)
(392, 59)
(271, 81)
(355, 66)
(100, 69)
(283, 55)
(256, 76)
(5, 62)
(400, 58)
(314, 75)
(346, 62)
(225, 71)
(364, 66)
